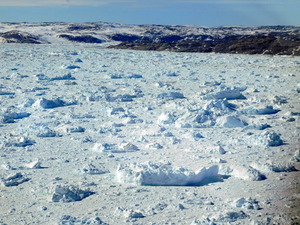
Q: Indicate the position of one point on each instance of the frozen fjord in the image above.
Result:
(136, 137)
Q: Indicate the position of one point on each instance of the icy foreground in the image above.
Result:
(96, 136)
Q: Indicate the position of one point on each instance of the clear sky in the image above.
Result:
(209, 13)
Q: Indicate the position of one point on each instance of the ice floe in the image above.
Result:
(163, 174)
(69, 193)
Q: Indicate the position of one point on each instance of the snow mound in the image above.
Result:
(163, 174)
(69, 193)
(230, 122)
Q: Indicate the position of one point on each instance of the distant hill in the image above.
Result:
(274, 40)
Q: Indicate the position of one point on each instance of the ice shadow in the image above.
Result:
(209, 180)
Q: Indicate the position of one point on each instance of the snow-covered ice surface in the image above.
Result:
(96, 136)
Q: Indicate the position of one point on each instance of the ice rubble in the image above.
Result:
(228, 93)
(13, 180)
(267, 138)
(163, 174)
(11, 114)
(230, 122)
(36, 129)
(222, 218)
(242, 172)
(247, 203)
(69, 220)
(69, 193)
(129, 213)
(92, 170)
(270, 166)
(19, 141)
(263, 111)
(49, 104)
(114, 148)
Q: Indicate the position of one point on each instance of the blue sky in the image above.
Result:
(209, 13)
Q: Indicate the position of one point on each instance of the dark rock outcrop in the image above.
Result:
(81, 38)
(16, 36)
(256, 44)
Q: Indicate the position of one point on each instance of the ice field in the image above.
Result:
(90, 135)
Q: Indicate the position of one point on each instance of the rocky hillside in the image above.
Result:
(280, 40)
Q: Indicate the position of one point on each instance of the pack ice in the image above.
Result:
(143, 137)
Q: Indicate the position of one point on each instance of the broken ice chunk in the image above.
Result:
(270, 166)
(64, 77)
(10, 116)
(154, 146)
(69, 220)
(268, 138)
(248, 203)
(163, 174)
(171, 95)
(37, 129)
(229, 94)
(166, 118)
(34, 165)
(91, 169)
(49, 104)
(297, 156)
(20, 142)
(69, 193)
(127, 147)
(263, 111)
(129, 213)
(242, 172)
(13, 180)
(231, 217)
(114, 148)
(230, 122)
